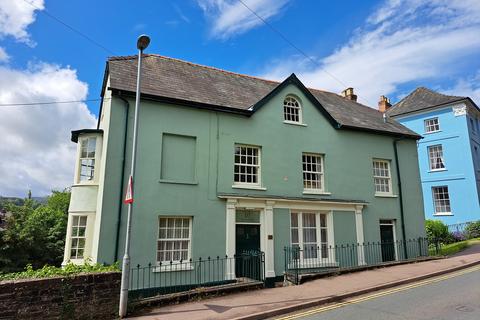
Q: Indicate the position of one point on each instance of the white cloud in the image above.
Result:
(468, 87)
(3, 55)
(231, 17)
(35, 148)
(401, 41)
(16, 16)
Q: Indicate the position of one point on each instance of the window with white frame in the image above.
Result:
(312, 172)
(309, 233)
(78, 237)
(87, 158)
(174, 239)
(381, 176)
(435, 157)
(441, 200)
(432, 125)
(292, 111)
(247, 165)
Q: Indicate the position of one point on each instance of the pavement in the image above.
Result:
(454, 296)
(262, 304)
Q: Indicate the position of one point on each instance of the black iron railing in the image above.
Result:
(181, 276)
(323, 259)
(460, 231)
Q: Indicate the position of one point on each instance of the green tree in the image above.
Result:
(35, 234)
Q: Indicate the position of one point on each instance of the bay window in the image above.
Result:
(87, 159)
(78, 237)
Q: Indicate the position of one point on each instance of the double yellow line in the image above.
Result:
(379, 294)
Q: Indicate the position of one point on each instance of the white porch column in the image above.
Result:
(269, 240)
(359, 231)
(230, 238)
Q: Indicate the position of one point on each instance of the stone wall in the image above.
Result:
(89, 296)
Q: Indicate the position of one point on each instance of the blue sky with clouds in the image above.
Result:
(377, 47)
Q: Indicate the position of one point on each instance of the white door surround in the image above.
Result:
(265, 206)
(391, 222)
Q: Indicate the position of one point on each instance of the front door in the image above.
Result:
(247, 242)
(387, 242)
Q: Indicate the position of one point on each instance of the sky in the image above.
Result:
(54, 50)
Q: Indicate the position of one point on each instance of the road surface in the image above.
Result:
(451, 297)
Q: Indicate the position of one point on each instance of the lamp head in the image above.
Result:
(142, 42)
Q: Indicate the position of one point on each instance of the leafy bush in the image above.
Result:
(51, 271)
(437, 231)
(473, 230)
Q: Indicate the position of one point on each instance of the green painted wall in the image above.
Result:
(281, 229)
(348, 173)
(344, 227)
(345, 234)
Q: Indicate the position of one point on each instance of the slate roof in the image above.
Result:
(178, 80)
(420, 99)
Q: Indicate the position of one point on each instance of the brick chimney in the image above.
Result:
(384, 104)
(348, 93)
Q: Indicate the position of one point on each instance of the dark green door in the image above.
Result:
(247, 241)
(388, 245)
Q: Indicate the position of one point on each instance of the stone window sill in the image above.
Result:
(240, 186)
(295, 123)
(314, 192)
(379, 195)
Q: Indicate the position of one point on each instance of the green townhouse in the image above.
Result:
(229, 162)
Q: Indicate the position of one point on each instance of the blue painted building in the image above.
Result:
(448, 154)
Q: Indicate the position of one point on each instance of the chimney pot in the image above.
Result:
(384, 104)
(349, 94)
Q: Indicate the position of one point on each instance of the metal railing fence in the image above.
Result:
(322, 259)
(181, 276)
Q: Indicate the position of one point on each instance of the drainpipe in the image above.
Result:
(400, 194)
(119, 215)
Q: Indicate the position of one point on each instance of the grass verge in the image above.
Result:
(450, 249)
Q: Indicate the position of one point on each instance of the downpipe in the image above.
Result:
(400, 194)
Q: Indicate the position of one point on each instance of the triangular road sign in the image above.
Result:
(129, 194)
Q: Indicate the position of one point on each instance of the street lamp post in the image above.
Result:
(142, 43)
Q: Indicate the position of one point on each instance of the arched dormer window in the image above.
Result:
(292, 111)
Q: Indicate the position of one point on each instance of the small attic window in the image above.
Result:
(292, 111)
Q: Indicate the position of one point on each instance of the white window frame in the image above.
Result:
(440, 213)
(175, 265)
(388, 178)
(258, 166)
(432, 161)
(321, 173)
(298, 108)
(80, 158)
(77, 237)
(330, 238)
(432, 123)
